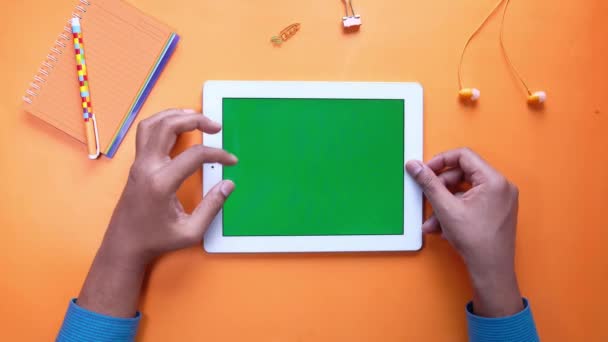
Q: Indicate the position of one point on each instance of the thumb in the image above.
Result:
(211, 204)
(433, 188)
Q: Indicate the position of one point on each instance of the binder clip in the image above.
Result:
(350, 21)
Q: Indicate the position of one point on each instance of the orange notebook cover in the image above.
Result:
(125, 51)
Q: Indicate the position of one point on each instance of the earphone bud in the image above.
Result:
(473, 94)
(537, 98)
(469, 94)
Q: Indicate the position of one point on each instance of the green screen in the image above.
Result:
(314, 166)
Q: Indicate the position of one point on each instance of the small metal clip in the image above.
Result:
(285, 34)
(351, 20)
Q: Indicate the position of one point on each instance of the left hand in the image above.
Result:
(149, 219)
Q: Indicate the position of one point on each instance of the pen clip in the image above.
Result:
(97, 152)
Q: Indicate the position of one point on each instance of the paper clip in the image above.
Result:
(285, 34)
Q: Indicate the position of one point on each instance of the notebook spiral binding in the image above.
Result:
(62, 41)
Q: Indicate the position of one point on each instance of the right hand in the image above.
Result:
(479, 223)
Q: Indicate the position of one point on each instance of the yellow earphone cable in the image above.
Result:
(504, 51)
(471, 38)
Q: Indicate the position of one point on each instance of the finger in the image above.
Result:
(431, 225)
(439, 196)
(187, 162)
(206, 211)
(145, 127)
(451, 177)
(168, 128)
(473, 166)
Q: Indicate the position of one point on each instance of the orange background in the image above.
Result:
(55, 203)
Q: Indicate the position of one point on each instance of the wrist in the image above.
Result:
(113, 284)
(112, 257)
(495, 292)
(123, 250)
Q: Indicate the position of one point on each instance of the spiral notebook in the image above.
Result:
(126, 51)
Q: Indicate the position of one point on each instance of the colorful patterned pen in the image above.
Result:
(90, 123)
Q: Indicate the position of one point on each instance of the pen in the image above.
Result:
(90, 124)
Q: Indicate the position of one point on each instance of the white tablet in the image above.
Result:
(321, 166)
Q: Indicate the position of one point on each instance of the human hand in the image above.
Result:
(149, 219)
(479, 223)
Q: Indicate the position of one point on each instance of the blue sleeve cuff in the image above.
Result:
(517, 328)
(83, 325)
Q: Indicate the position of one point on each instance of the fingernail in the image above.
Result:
(234, 158)
(413, 167)
(212, 122)
(190, 111)
(226, 188)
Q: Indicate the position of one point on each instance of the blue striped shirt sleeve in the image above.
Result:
(516, 328)
(83, 325)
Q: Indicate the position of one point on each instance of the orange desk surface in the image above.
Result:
(55, 204)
